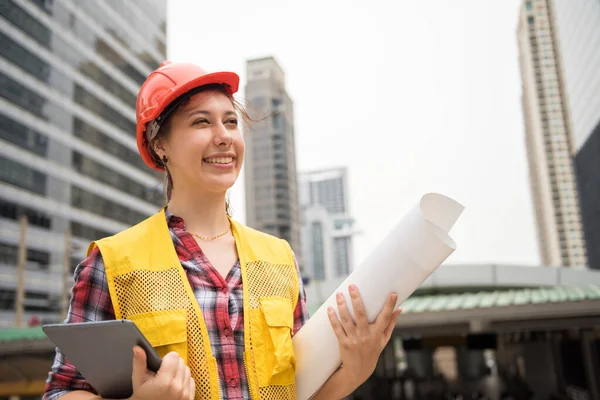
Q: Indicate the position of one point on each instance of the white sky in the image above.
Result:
(412, 96)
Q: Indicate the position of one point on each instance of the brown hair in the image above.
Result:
(165, 130)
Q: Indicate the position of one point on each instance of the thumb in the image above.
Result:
(139, 373)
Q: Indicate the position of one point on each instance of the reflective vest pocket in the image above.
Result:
(275, 360)
(165, 330)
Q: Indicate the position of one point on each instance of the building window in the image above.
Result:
(91, 168)
(85, 200)
(318, 252)
(95, 105)
(93, 136)
(8, 254)
(21, 96)
(24, 137)
(34, 301)
(106, 51)
(259, 102)
(528, 6)
(530, 20)
(7, 299)
(21, 176)
(140, 24)
(342, 257)
(23, 58)
(13, 211)
(330, 194)
(44, 5)
(87, 232)
(115, 29)
(36, 259)
(20, 18)
(109, 84)
(279, 122)
(37, 301)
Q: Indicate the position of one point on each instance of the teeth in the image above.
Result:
(220, 160)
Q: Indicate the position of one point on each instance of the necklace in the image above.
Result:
(208, 239)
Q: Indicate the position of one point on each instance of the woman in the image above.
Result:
(219, 301)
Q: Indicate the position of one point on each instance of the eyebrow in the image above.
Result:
(204, 112)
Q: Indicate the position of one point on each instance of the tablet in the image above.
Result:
(103, 353)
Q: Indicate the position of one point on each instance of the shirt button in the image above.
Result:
(233, 382)
(227, 331)
(225, 291)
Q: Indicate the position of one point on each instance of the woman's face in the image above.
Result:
(205, 148)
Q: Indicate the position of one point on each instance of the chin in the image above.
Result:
(221, 185)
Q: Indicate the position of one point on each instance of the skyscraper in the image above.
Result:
(270, 163)
(327, 225)
(548, 138)
(70, 75)
(578, 28)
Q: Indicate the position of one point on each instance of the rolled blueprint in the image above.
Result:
(414, 248)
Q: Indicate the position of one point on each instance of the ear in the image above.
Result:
(160, 147)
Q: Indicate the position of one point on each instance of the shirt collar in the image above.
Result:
(173, 221)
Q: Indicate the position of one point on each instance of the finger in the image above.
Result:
(392, 324)
(345, 318)
(384, 316)
(180, 374)
(139, 373)
(192, 389)
(168, 367)
(176, 384)
(360, 314)
(336, 325)
(187, 387)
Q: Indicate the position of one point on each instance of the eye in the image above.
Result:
(232, 121)
(200, 121)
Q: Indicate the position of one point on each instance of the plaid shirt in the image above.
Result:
(220, 301)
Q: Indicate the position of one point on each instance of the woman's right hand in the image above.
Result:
(173, 381)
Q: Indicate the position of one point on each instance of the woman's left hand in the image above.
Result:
(361, 343)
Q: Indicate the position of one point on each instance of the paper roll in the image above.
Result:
(414, 248)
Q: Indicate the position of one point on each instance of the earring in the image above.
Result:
(164, 160)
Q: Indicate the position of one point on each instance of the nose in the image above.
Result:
(222, 136)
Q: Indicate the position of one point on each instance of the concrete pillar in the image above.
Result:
(555, 340)
(502, 354)
(386, 365)
(471, 363)
(590, 362)
(540, 372)
(420, 362)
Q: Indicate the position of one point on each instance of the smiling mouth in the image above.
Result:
(219, 160)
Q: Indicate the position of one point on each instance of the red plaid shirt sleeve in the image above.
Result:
(90, 301)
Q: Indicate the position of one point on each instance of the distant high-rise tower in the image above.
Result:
(548, 138)
(327, 226)
(270, 163)
(578, 28)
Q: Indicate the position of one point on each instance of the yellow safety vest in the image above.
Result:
(149, 286)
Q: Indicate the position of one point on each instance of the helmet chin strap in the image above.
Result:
(152, 130)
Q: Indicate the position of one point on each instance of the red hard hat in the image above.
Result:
(167, 83)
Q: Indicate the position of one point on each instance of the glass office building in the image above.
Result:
(578, 31)
(70, 74)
